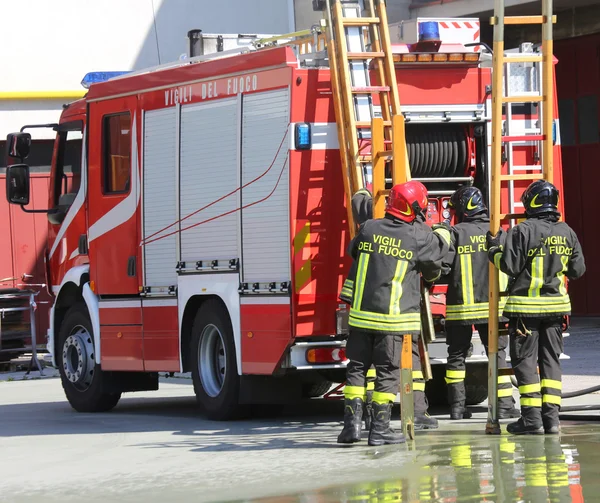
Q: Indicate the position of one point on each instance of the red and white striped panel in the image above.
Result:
(460, 32)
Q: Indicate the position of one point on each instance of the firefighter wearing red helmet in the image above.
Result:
(539, 255)
(383, 291)
(466, 269)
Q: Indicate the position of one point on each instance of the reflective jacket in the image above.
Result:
(383, 286)
(539, 254)
(466, 268)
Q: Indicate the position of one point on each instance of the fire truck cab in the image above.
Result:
(197, 219)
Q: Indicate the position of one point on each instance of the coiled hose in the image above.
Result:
(436, 151)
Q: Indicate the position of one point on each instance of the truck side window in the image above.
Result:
(68, 166)
(117, 153)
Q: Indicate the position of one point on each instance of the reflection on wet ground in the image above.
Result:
(458, 465)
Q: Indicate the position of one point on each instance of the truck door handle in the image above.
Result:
(131, 269)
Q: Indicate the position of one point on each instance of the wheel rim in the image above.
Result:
(78, 358)
(212, 358)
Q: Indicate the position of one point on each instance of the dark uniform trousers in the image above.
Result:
(364, 349)
(541, 343)
(419, 397)
(459, 343)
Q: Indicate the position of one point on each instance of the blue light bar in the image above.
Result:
(303, 140)
(429, 31)
(96, 77)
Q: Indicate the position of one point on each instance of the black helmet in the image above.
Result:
(467, 202)
(539, 198)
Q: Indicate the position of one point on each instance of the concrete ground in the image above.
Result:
(157, 445)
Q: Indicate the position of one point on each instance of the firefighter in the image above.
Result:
(467, 300)
(384, 296)
(362, 210)
(538, 254)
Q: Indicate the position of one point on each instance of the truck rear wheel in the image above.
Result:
(81, 377)
(214, 368)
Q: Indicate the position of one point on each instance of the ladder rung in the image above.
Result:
(531, 167)
(510, 216)
(365, 55)
(359, 21)
(531, 137)
(368, 157)
(367, 124)
(522, 20)
(537, 58)
(523, 99)
(370, 89)
(531, 177)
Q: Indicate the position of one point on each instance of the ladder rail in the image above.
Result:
(546, 171)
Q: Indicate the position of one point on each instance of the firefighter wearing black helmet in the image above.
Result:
(539, 255)
(383, 290)
(466, 269)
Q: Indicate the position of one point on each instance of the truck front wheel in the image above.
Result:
(82, 379)
(214, 368)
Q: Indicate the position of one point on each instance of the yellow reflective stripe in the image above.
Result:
(453, 381)
(418, 386)
(352, 392)
(551, 399)
(562, 287)
(537, 277)
(466, 271)
(502, 393)
(399, 327)
(379, 397)
(531, 402)
(396, 293)
(361, 277)
(417, 374)
(503, 278)
(456, 374)
(459, 308)
(504, 380)
(370, 386)
(348, 283)
(371, 372)
(386, 318)
(551, 383)
(497, 258)
(444, 234)
(530, 388)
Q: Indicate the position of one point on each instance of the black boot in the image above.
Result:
(353, 410)
(425, 422)
(456, 399)
(381, 432)
(521, 428)
(368, 415)
(508, 413)
(459, 411)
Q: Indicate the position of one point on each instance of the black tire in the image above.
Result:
(316, 389)
(476, 384)
(218, 404)
(86, 393)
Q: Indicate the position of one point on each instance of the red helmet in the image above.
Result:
(406, 200)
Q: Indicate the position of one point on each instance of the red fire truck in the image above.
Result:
(204, 226)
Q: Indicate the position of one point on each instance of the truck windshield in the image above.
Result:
(68, 161)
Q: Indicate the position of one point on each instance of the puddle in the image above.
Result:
(452, 466)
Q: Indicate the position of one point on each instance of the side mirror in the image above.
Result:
(17, 184)
(18, 145)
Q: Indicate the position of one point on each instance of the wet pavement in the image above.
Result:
(157, 447)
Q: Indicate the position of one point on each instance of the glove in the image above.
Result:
(495, 242)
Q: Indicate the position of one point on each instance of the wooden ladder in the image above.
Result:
(358, 39)
(504, 173)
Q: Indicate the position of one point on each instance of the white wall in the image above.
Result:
(54, 43)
